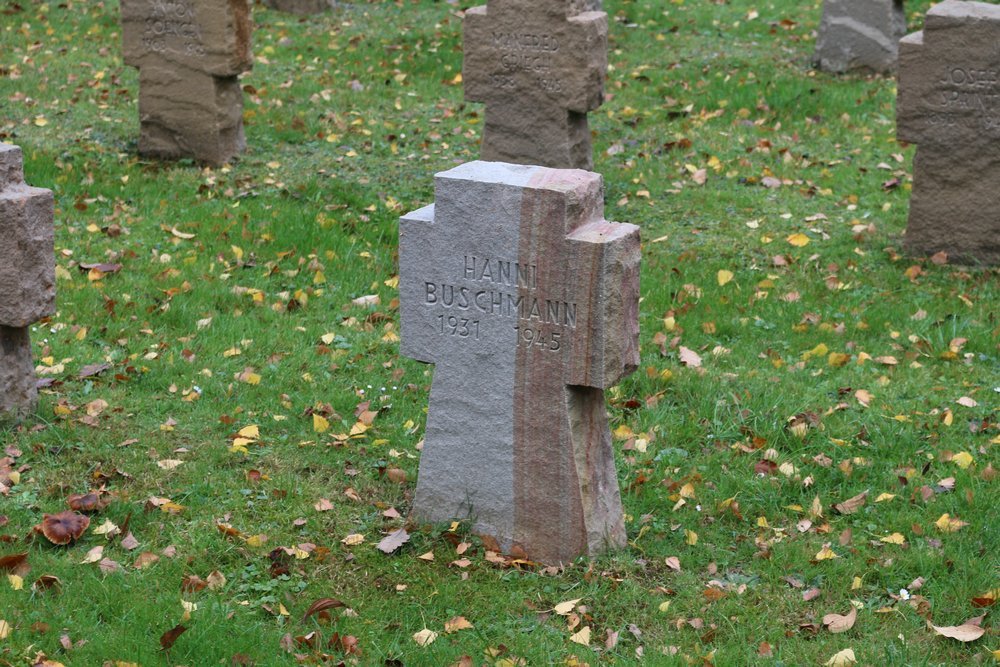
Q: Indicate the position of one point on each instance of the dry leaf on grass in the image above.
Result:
(837, 623)
(969, 631)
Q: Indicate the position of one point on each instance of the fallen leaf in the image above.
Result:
(215, 580)
(353, 539)
(851, 505)
(425, 637)
(94, 555)
(564, 608)
(689, 357)
(798, 240)
(393, 541)
(895, 538)
(836, 623)
(170, 636)
(969, 631)
(843, 658)
(582, 637)
(322, 604)
(456, 624)
(724, 277)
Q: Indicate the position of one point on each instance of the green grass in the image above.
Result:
(328, 172)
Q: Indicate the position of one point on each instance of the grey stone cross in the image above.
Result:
(526, 299)
(539, 65)
(949, 105)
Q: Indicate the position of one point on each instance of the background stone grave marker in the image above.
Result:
(949, 105)
(526, 299)
(539, 65)
(27, 280)
(301, 7)
(189, 54)
(859, 35)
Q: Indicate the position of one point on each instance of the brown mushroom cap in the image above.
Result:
(86, 502)
(64, 527)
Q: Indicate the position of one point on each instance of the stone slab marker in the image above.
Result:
(949, 105)
(539, 65)
(27, 280)
(301, 7)
(859, 35)
(526, 299)
(189, 54)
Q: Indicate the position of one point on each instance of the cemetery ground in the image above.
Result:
(812, 429)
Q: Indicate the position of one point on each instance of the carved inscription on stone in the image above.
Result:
(171, 28)
(966, 95)
(525, 59)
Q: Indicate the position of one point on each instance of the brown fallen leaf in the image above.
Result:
(836, 623)
(456, 624)
(689, 357)
(321, 605)
(393, 541)
(969, 631)
(170, 636)
(851, 505)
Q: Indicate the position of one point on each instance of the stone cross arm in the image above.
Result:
(208, 36)
(527, 52)
(27, 255)
(949, 77)
(520, 258)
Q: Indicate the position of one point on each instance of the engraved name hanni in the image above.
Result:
(502, 303)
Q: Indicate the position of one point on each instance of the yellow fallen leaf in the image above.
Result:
(664, 606)
(690, 537)
(843, 658)
(582, 637)
(320, 423)
(724, 277)
(947, 524)
(353, 539)
(251, 431)
(882, 497)
(4, 629)
(963, 460)
(798, 240)
(425, 637)
(826, 553)
(564, 608)
(429, 556)
(256, 541)
(16, 582)
(895, 538)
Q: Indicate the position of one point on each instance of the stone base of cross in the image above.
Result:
(27, 280)
(526, 300)
(949, 84)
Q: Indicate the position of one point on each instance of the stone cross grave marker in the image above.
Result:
(859, 35)
(539, 65)
(27, 280)
(189, 54)
(949, 105)
(526, 299)
(301, 7)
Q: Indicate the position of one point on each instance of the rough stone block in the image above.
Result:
(189, 54)
(859, 35)
(539, 67)
(526, 299)
(27, 254)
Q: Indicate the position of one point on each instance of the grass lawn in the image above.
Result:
(230, 373)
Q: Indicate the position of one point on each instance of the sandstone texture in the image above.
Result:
(301, 7)
(539, 67)
(526, 300)
(27, 279)
(949, 105)
(859, 35)
(189, 54)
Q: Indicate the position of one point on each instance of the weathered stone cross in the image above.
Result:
(949, 105)
(27, 280)
(526, 300)
(539, 65)
(859, 35)
(189, 54)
